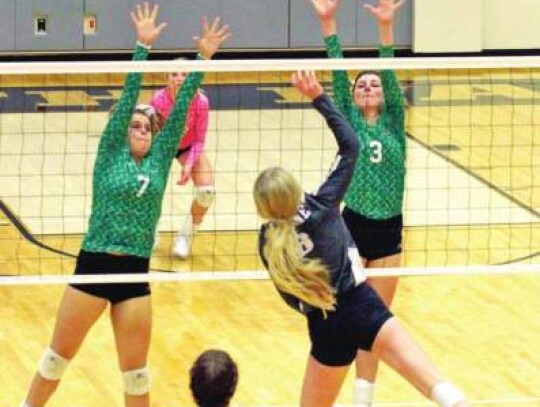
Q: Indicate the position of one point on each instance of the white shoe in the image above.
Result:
(184, 237)
(182, 246)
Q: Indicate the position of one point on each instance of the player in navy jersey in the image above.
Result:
(316, 269)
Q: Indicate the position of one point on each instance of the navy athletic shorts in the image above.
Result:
(374, 238)
(105, 263)
(358, 318)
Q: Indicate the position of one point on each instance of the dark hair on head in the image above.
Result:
(213, 379)
(366, 72)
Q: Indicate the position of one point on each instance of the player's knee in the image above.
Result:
(137, 381)
(52, 365)
(205, 195)
(445, 394)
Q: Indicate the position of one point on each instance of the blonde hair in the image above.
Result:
(277, 196)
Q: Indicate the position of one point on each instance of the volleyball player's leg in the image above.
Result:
(379, 240)
(321, 384)
(132, 324)
(203, 178)
(77, 313)
(396, 347)
(386, 287)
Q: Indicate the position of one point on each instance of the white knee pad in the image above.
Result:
(136, 382)
(52, 365)
(445, 394)
(205, 195)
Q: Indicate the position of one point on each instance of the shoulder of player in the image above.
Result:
(160, 93)
(159, 97)
(200, 98)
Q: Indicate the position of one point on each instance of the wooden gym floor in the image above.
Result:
(473, 197)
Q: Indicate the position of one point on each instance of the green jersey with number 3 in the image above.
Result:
(377, 187)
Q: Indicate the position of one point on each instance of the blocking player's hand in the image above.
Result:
(144, 20)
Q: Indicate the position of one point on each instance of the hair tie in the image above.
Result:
(281, 222)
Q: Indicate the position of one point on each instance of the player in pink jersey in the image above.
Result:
(191, 156)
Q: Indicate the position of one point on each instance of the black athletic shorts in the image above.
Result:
(181, 151)
(105, 263)
(358, 318)
(374, 238)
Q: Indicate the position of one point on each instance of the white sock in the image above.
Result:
(188, 228)
(363, 392)
(25, 404)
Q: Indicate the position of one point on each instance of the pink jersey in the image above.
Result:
(196, 121)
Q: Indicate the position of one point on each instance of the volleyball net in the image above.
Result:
(472, 195)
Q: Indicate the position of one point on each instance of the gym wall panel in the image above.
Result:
(447, 26)
(511, 24)
(63, 25)
(257, 24)
(305, 30)
(7, 25)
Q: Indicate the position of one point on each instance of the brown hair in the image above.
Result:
(362, 73)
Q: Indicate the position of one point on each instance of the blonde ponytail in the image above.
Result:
(306, 279)
(277, 197)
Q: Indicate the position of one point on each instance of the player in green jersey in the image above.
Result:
(374, 200)
(130, 175)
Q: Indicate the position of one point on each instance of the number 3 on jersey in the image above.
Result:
(376, 151)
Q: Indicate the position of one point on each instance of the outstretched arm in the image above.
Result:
(326, 13)
(333, 189)
(211, 39)
(385, 13)
(144, 20)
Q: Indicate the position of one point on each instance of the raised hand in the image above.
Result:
(325, 9)
(212, 37)
(144, 19)
(306, 82)
(385, 10)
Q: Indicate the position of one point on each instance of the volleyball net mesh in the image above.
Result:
(472, 195)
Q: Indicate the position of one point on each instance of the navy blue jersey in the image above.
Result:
(321, 230)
